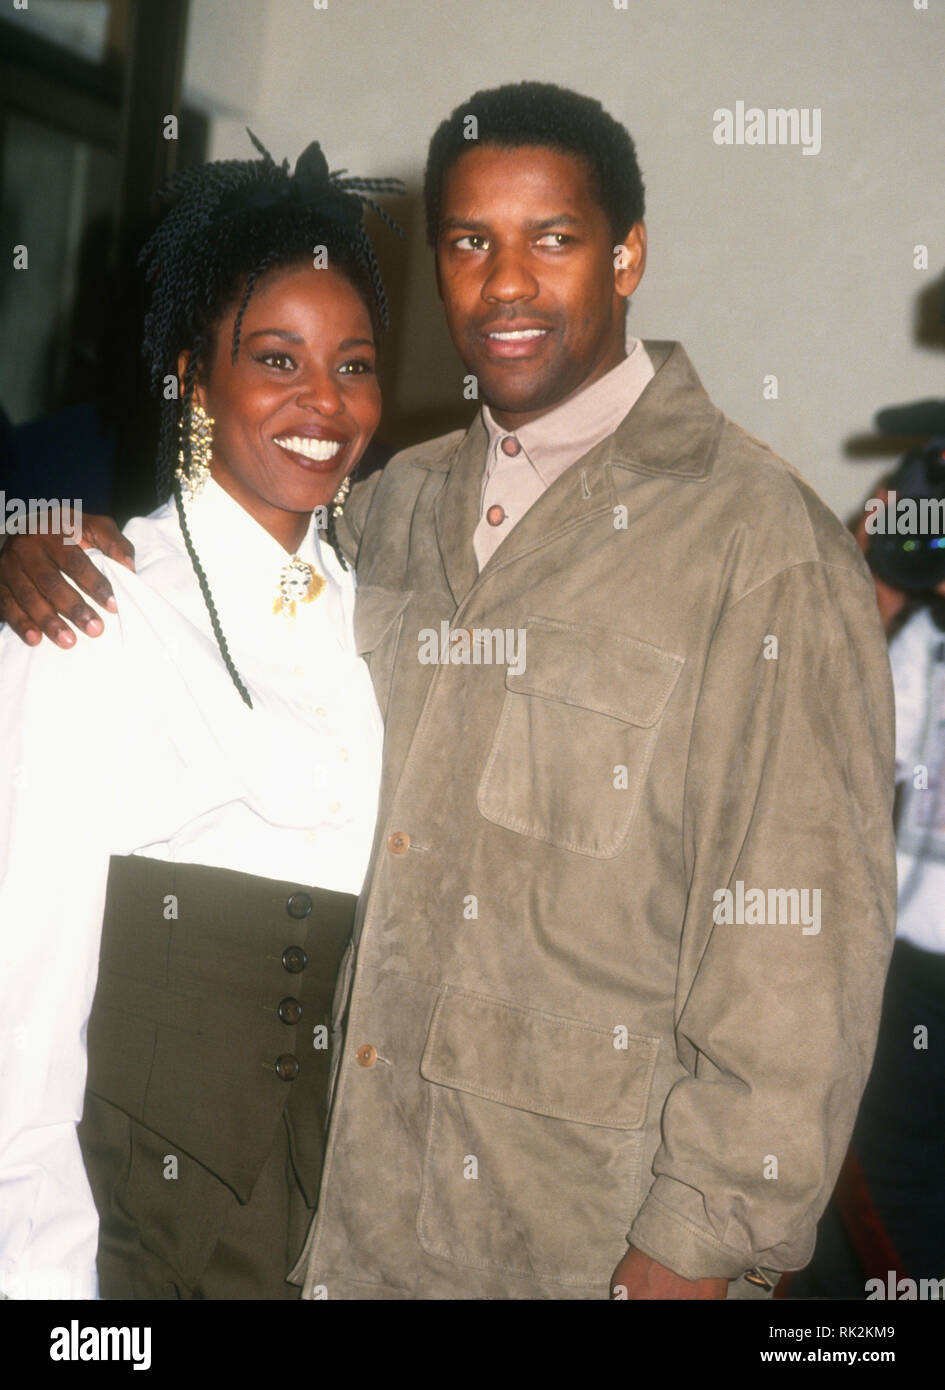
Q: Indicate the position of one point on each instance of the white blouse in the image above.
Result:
(137, 742)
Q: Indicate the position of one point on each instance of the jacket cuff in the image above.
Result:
(663, 1233)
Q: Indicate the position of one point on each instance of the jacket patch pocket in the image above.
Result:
(378, 617)
(535, 1139)
(575, 736)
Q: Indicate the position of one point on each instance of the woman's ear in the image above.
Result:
(183, 362)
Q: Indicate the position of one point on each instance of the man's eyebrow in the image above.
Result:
(562, 219)
(276, 333)
(469, 224)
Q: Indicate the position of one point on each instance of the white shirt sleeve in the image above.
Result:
(56, 823)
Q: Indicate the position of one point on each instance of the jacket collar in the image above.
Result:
(456, 509)
(673, 428)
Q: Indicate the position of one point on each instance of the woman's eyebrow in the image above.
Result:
(276, 333)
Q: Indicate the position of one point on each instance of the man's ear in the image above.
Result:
(200, 395)
(630, 260)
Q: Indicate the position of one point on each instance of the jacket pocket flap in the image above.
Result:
(375, 609)
(539, 1062)
(597, 669)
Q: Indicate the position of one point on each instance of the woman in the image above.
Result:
(221, 874)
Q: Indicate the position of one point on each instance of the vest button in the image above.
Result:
(287, 1067)
(299, 905)
(294, 959)
(290, 1010)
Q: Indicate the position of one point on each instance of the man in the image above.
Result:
(621, 953)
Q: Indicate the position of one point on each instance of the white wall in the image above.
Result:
(762, 260)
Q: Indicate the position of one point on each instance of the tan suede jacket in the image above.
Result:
(621, 952)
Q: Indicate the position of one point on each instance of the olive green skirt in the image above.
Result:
(207, 1095)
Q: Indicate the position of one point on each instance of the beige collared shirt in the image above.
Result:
(523, 465)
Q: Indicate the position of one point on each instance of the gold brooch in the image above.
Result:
(298, 583)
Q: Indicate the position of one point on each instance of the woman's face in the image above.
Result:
(295, 412)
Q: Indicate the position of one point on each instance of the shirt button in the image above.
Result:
(322, 714)
(510, 446)
(399, 842)
(495, 515)
(335, 807)
(294, 959)
(290, 1010)
(299, 905)
(343, 754)
(287, 1067)
(312, 836)
(366, 1055)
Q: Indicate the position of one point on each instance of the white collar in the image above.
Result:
(244, 564)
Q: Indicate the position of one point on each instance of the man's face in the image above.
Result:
(533, 289)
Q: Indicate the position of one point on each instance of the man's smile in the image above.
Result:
(517, 339)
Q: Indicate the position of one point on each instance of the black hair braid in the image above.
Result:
(167, 442)
(374, 272)
(255, 274)
(331, 535)
(208, 600)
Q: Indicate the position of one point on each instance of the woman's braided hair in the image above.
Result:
(230, 223)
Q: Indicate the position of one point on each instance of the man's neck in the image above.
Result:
(516, 420)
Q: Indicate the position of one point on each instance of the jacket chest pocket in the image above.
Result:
(575, 736)
(378, 618)
(535, 1141)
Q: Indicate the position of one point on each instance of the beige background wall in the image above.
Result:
(762, 259)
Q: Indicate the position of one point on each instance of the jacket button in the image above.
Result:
(366, 1055)
(399, 842)
(299, 905)
(287, 1067)
(290, 1010)
(294, 959)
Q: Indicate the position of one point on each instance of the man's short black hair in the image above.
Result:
(540, 113)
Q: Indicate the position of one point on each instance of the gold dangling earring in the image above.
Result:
(200, 436)
(338, 501)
